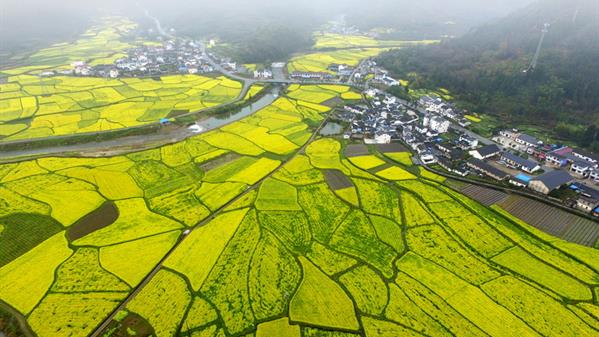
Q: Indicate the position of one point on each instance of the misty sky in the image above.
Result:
(40, 21)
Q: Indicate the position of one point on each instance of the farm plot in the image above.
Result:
(320, 62)
(123, 214)
(552, 220)
(320, 301)
(69, 105)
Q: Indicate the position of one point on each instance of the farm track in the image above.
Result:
(25, 329)
(104, 325)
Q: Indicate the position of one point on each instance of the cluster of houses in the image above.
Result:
(587, 197)
(579, 163)
(369, 71)
(379, 122)
(174, 56)
(263, 74)
(439, 106)
(560, 167)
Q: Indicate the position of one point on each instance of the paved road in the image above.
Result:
(104, 325)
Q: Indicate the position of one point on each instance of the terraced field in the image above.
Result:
(35, 106)
(307, 243)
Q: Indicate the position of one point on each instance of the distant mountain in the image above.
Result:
(427, 19)
(484, 68)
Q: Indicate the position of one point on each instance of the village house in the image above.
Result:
(466, 142)
(310, 75)
(550, 181)
(518, 181)
(588, 197)
(581, 168)
(520, 163)
(557, 160)
(587, 156)
(486, 169)
(527, 141)
(485, 152)
(436, 123)
(594, 175)
(263, 74)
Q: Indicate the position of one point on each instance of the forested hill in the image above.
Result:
(485, 67)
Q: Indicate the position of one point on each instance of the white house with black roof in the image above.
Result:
(550, 181)
(520, 163)
(581, 168)
(555, 159)
(485, 152)
(586, 156)
(527, 140)
(486, 169)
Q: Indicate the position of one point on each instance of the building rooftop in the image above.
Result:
(528, 139)
(488, 150)
(519, 160)
(587, 154)
(481, 165)
(554, 179)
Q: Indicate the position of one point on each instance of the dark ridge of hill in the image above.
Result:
(484, 68)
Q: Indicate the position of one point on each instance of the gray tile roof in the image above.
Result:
(529, 139)
(554, 179)
(488, 150)
(519, 160)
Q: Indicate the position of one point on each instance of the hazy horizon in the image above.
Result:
(29, 23)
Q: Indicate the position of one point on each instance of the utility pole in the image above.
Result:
(535, 58)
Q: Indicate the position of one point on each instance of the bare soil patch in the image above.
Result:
(104, 216)
(391, 148)
(337, 180)
(354, 150)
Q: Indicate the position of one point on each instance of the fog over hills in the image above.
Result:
(485, 67)
(27, 23)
